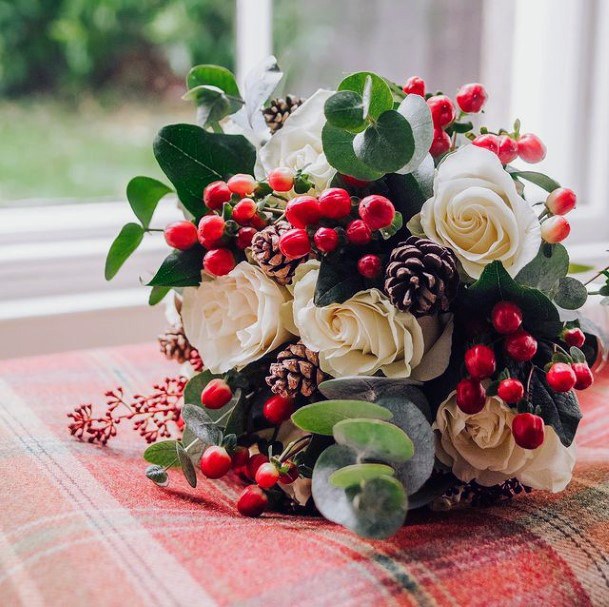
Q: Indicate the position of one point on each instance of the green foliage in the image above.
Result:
(539, 179)
(162, 453)
(358, 473)
(201, 424)
(180, 269)
(158, 475)
(345, 110)
(157, 294)
(127, 241)
(377, 92)
(144, 194)
(188, 468)
(338, 280)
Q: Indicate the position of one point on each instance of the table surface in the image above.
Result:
(81, 525)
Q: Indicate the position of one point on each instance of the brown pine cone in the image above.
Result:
(279, 110)
(266, 253)
(421, 277)
(174, 344)
(295, 372)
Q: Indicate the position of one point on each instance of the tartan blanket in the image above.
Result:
(81, 525)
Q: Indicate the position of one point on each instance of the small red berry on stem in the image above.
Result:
(255, 462)
(574, 337)
(216, 394)
(335, 203)
(531, 148)
(181, 235)
(440, 143)
(442, 110)
(528, 430)
(295, 243)
(471, 98)
(267, 475)
(286, 478)
(507, 149)
(561, 201)
(561, 377)
(376, 211)
(219, 262)
(521, 346)
(415, 86)
(583, 375)
(303, 211)
(471, 396)
(215, 462)
(555, 229)
(244, 237)
(480, 361)
(211, 230)
(510, 390)
(358, 233)
(258, 222)
(506, 317)
(281, 179)
(252, 502)
(242, 184)
(369, 266)
(326, 239)
(240, 457)
(278, 409)
(488, 142)
(216, 194)
(244, 211)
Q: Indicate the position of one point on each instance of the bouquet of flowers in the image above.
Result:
(371, 315)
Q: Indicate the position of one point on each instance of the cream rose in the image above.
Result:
(481, 447)
(297, 145)
(365, 334)
(477, 212)
(235, 319)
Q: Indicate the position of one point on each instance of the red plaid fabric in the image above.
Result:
(81, 525)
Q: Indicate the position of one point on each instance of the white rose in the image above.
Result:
(297, 145)
(481, 447)
(477, 212)
(235, 319)
(363, 335)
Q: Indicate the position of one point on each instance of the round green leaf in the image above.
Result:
(570, 294)
(374, 438)
(345, 110)
(212, 103)
(127, 241)
(387, 145)
(358, 473)
(373, 87)
(213, 75)
(158, 475)
(162, 453)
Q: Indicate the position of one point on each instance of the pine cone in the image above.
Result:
(295, 372)
(265, 250)
(174, 344)
(421, 277)
(278, 110)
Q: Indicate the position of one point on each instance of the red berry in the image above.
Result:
(244, 237)
(211, 230)
(369, 266)
(442, 110)
(415, 86)
(489, 142)
(510, 390)
(376, 211)
(326, 239)
(219, 262)
(244, 210)
(295, 243)
(583, 375)
(291, 475)
(555, 229)
(267, 475)
(335, 203)
(258, 222)
(255, 462)
(561, 201)
(278, 409)
(531, 148)
(471, 98)
(303, 211)
(252, 502)
(480, 361)
(354, 182)
(528, 430)
(440, 143)
(181, 235)
(561, 377)
(574, 337)
(216, 194)
(241, 184)
(216, 394)
(240, 457)
(281, 179)
(506, 317)
(521, 346)
(471, 396)
(215, 462)
(507, 149)
(358, 233)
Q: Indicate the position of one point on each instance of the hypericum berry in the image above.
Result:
(286, 478)
(219, 262)
(252, 502)
(267, 475)
(242, 184)
(255, 462)
(303, 211)
(281, 179)
(240, 457)
(471, 97)
(521, 346)
(376, 211)
(278, 409)
(215, 462)
(561, 377)
(211, 230)
(244, 210)
(414, 86)
(442, 110)
(326, 239)
(471, 396)
(506, 317)
(216, 194)
(555, 229)
(583, 375)
(244, 237)
(354, 182)
(369, 266)
(480, 361)
(561, 201)
(335, 203)
(528, 430)
(531, 148)
(181, 235)
(510, 390)
(258, 222)
(507, 149)
(488, 141)
(440, 143)
(358, 233)
(216, 394)
(574, 337)
(295, 243)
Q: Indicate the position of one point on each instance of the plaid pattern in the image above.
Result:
(81, 525)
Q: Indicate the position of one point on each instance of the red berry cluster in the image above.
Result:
(555, 227)
(509, 146)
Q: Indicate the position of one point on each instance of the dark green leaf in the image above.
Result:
(545, 271)
(158, 475)
(570, 294)
(127, 241)
(194, 387)
(201, 424)
(180, 269)
(143, 194)
(188, 468)
(432, 489)
(162, 453)
(213, 75)
(157, 294)
(344, 110)
(539, 179)
(337, 282)
(381, 98)
(358, 473)
(460, 127)
(212, 104)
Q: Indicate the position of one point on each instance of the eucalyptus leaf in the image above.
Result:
(188, 468)
(193, 445)
(379, 93)
(201, 424)
(180, 269)
(162, 453)
(127, 241)
(258, 87)
(570, 293)
(358, 473)
(345, 110)
(545, 271)
(157, 475)
(144, 194)
(416, 111)
(213, 75)
(213, 104)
